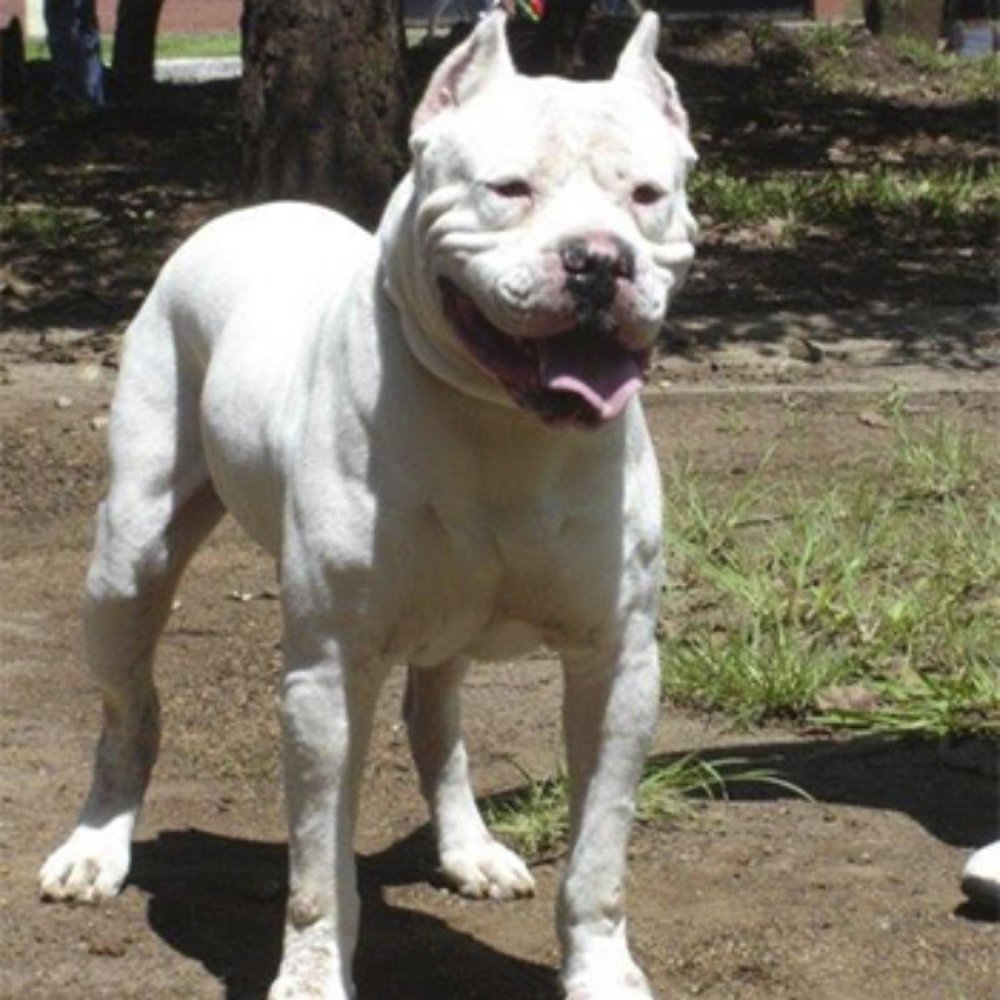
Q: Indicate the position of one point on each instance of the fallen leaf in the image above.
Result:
(803, 349)
(847, 698)
(872, 418)
(10, 282)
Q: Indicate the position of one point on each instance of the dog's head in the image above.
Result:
(547, 227)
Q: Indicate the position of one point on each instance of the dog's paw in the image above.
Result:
(89, 868)
(310, 972)
(299, 988)
(487, 870)
(629, 985)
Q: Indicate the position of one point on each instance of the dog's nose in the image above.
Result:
(593, 265)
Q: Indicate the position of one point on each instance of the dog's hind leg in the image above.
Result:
(472, 860)
(159, 507)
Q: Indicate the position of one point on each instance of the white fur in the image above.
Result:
(291, 369)
(981, 876)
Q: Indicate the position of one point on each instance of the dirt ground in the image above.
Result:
(763, 896)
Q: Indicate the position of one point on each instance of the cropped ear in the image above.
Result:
(482, 59)
(638, 65)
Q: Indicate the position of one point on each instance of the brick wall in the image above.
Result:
(837, 10)
(208, 16)
(192, 17)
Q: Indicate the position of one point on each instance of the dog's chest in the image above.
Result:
(493, 582)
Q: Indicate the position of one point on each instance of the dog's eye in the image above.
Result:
(647, 194)
(514, 188)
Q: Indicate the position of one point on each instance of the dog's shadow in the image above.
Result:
(220, 901)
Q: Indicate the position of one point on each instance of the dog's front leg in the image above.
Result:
(327, 705)
(472, 860)
(610, 711)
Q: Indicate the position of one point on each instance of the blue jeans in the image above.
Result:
(75, 45)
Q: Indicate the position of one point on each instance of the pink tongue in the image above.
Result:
(604, 374)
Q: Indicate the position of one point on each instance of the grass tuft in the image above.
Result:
(535, 820)
(48, 226)
(971, 78)
(885, 584)
(943, 195)
(169, 46)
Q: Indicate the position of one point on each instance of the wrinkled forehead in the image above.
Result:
(558, 128)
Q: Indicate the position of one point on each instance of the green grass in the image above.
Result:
(884, 584)
(37, 48)
(943, 195)
(46, 226)
(167, 46)
(828, 41)
(197, 46)
(535, 820)
(865, 601)
(833, 51)
(972, 78)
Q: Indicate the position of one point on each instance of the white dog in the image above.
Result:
(437, 434)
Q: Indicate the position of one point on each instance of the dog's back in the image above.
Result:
(288, 251)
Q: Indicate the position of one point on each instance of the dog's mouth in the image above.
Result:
(584, 377)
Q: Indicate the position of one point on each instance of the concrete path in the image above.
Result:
(198, 70)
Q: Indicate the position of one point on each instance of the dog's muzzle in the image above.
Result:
(584, 376)
(593, 267)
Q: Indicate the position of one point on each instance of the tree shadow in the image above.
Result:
(96, 200)
(119, 189)
(951, 333)
(949, 788)
(220, 900)
(759, 109)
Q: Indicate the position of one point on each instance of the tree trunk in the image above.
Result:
(323, 102)
(135, 42)
(922, 19)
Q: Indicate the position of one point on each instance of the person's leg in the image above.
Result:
(92, 78)
(75, 45)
